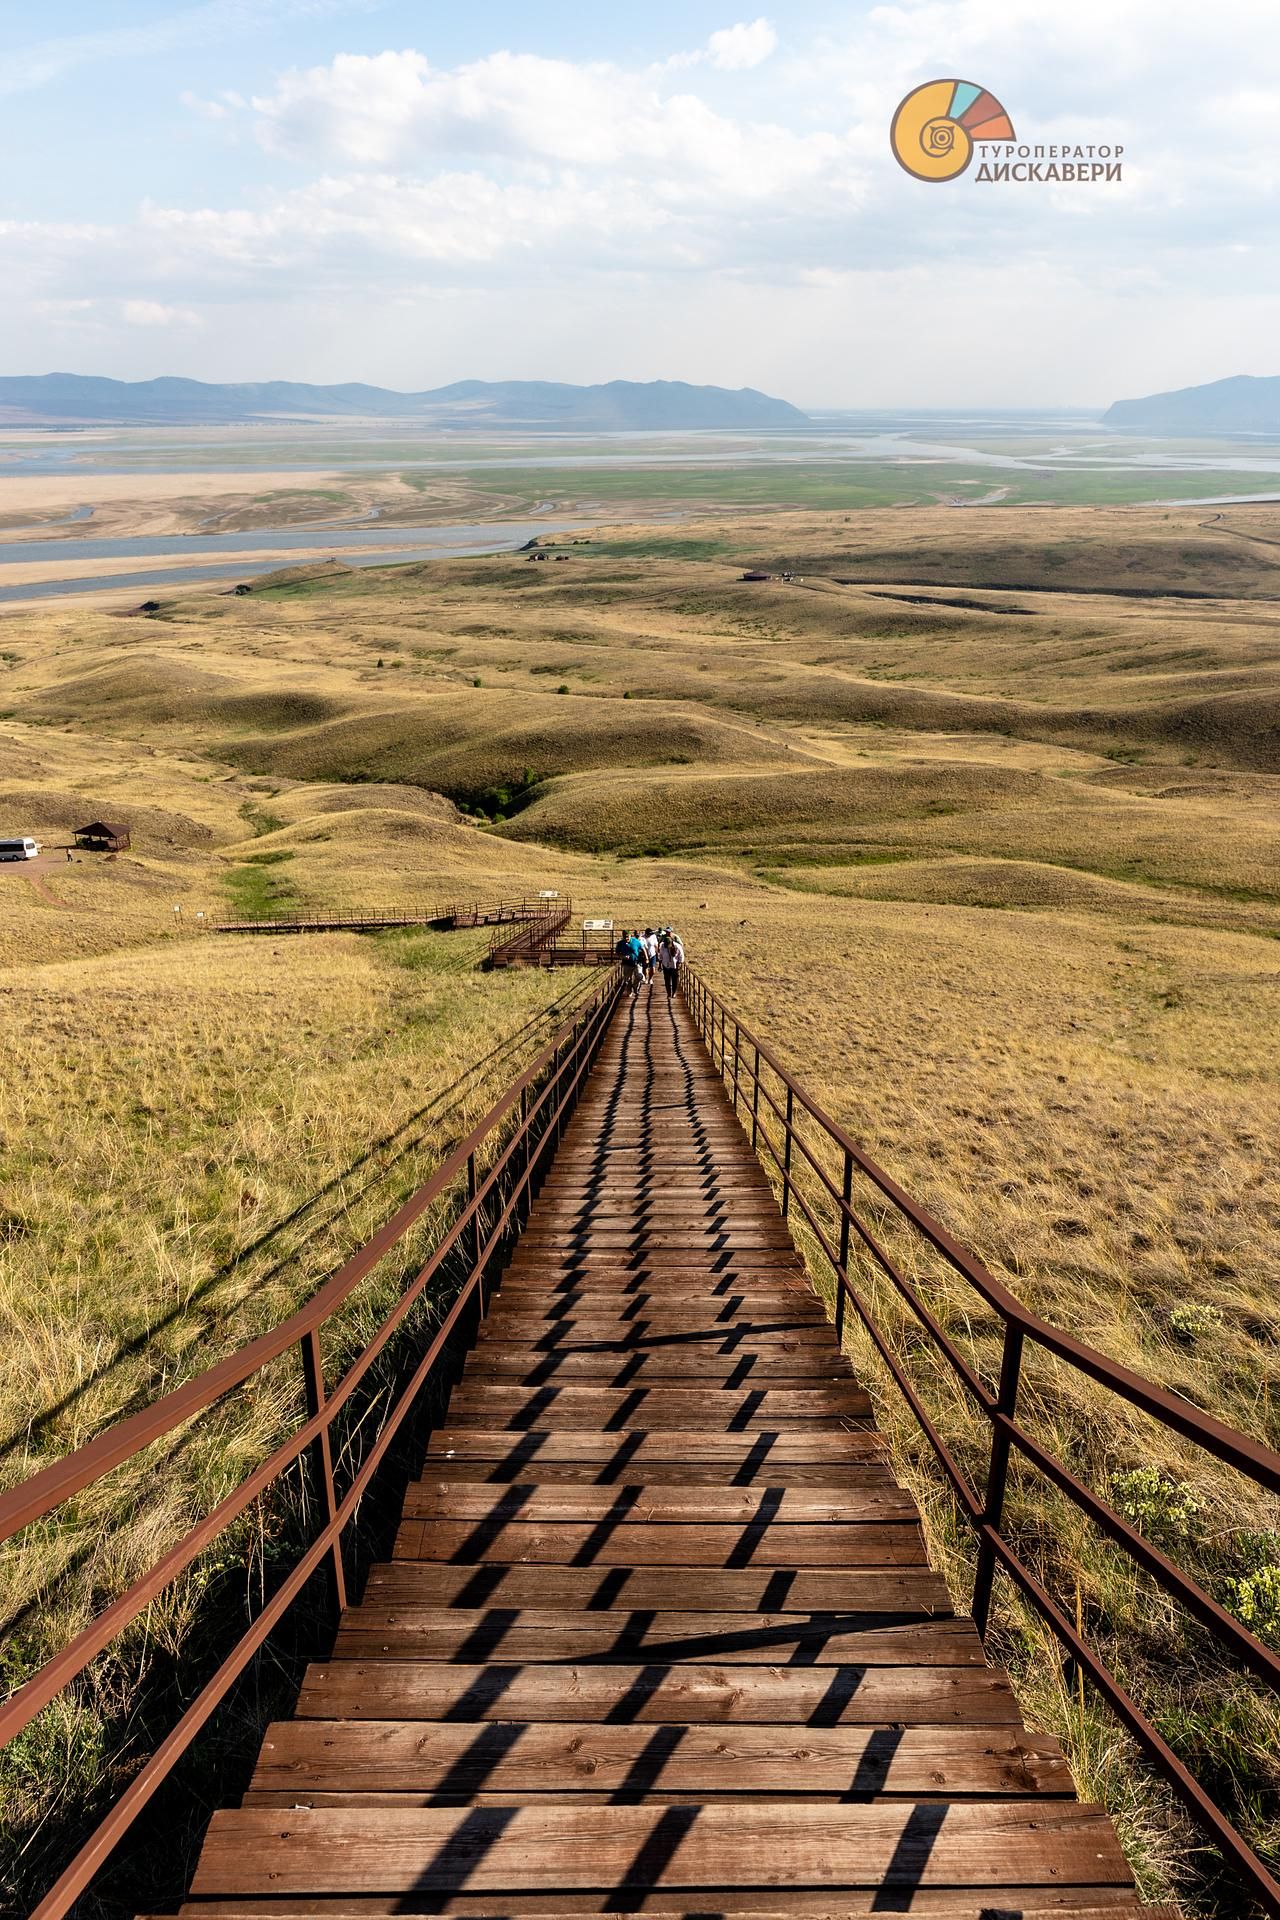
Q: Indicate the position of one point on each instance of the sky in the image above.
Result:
(414, 193)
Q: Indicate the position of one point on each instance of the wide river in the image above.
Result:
(366, 546)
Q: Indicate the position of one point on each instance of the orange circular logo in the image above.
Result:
(936, 125)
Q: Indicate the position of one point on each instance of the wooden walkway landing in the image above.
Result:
(659, 1631)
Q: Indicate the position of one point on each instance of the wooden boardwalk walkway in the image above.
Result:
(659, 1632)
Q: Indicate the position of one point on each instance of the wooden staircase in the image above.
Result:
(659, 1633)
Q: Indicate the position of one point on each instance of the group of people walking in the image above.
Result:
(653, 951)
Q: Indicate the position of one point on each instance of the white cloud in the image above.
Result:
(512, 109)
(741, 46)
(152, 313)
(699, 184)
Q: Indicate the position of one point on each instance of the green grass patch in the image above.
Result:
(255, 891)
(260, 820)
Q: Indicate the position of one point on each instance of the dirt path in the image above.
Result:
(46, 892)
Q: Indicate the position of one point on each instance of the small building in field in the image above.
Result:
(103, 836)
(755, 574)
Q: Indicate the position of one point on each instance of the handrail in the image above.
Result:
(505, 949)
(467, 914)
(740, 1055)
(544, 1093)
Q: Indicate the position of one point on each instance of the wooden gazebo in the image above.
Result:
(103, 836)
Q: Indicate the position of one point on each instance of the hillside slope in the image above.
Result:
(1242, 404)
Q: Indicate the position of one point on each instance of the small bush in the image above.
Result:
(1157, 1504)
(1189, 1322)
(1254, 1595)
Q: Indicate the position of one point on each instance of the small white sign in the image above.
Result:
(549, 893)
(597, 926)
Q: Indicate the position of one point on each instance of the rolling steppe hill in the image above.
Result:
(976, 817)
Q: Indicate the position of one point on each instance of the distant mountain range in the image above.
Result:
(618, 406)
(1244, 404)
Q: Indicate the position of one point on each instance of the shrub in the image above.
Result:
(1254, 1595)
(1188, 1322)
(1156, 1503)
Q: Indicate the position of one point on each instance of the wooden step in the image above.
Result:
(304, 1758)
(737, 1639)
(916, 1590)
(743, 1457)
(1011, 1903)
(615, 1849)
(786, 1367)
(656, 1694)
(528, 1502)
(611, 1410)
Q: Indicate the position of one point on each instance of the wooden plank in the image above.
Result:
(744, 1639)
(653, 1337)
(708, 1319)
(718, 1590)
(781, 1903)
(711, 1317)
(614, 1544)
(710, 1370)
(528, 1501)
(395, 1756)
(641, 1239)
(760, 1845)
(655, 1268)
(611, 1410)
(656, 1694)
(659, 1473)
(682, 1446)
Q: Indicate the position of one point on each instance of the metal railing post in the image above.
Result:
(737, 1042)
(755, 1101)
(997, 1476)
(321, 1458)
(786, 1152)
(846, 1196)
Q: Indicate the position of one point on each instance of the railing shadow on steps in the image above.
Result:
(817, 1164)
(502, 1161)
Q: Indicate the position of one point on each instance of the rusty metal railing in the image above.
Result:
(774, 1109)
(517, 1134)
(524, 947)
(498, 913)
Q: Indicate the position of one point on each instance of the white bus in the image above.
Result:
(24, 849)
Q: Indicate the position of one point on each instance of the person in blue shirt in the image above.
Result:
(635, 959)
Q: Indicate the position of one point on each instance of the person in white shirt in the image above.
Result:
(670, 959)
(650, 943)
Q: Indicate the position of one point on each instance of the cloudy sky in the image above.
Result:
(409, 193)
